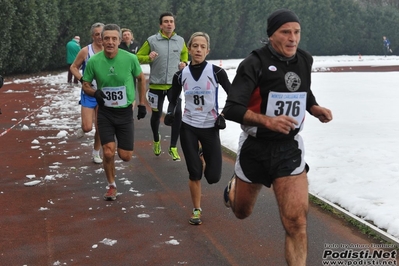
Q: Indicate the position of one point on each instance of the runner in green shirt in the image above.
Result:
(114, 71)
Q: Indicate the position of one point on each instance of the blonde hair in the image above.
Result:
(123, 30)
(199, 34)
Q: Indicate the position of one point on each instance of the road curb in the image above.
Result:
(379, 232)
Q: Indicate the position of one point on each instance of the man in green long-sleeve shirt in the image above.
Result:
(167, 53)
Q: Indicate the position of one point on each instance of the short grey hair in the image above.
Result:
(199, 34)
(112, 27)
(94, 26)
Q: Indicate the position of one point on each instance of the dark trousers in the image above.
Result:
(70, 76)
(156, 117)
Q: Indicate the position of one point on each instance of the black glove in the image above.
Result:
(1, 81)
(99, 95)
(220, 122)
(169, 118)
(142, 111)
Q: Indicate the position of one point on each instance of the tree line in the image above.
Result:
(34, 32)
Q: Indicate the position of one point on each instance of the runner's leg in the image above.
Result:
(175, 130)
(97, 142)
(87, 118)
(243, 196)
(292, 198)
(156, 114)
(109, 161)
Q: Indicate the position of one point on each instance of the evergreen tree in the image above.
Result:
(47, 17)
(25, 35)
(35, 32)
(7, 17)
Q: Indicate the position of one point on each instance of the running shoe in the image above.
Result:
(111, 193)
(196, 217)
(97, 159)
(80, 133)
(156, 146)
(173, 152)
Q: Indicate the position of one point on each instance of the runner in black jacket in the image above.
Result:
(269, 97)
(128, 43)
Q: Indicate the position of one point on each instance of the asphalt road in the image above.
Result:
(64, 220)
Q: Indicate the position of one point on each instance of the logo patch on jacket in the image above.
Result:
(292, 81)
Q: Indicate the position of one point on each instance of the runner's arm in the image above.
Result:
(88, 89)
(184, 54)
(78, 62)
(87, 79)
(222, 78)
(143, 53)
(141, 88)
(175, 91)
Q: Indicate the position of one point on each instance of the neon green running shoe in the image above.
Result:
(196, 217)
(156, 147)
(173, 152)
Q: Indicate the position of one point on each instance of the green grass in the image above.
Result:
(364, 229)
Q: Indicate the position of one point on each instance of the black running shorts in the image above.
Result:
(116, 123)
(262, 161)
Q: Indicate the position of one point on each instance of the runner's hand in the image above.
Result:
(322, 113)
(169, 118)
(282, 123)
(220, 122)
(99, 95)
(141, 112)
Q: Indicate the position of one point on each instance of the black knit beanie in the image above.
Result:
(278, 18)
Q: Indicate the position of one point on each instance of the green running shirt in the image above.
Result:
(115, 76)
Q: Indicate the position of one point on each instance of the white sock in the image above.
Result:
(112, 184)
(96, 153)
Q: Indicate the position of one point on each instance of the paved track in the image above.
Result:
(64, 221)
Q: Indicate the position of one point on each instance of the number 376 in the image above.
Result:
(289, 108)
